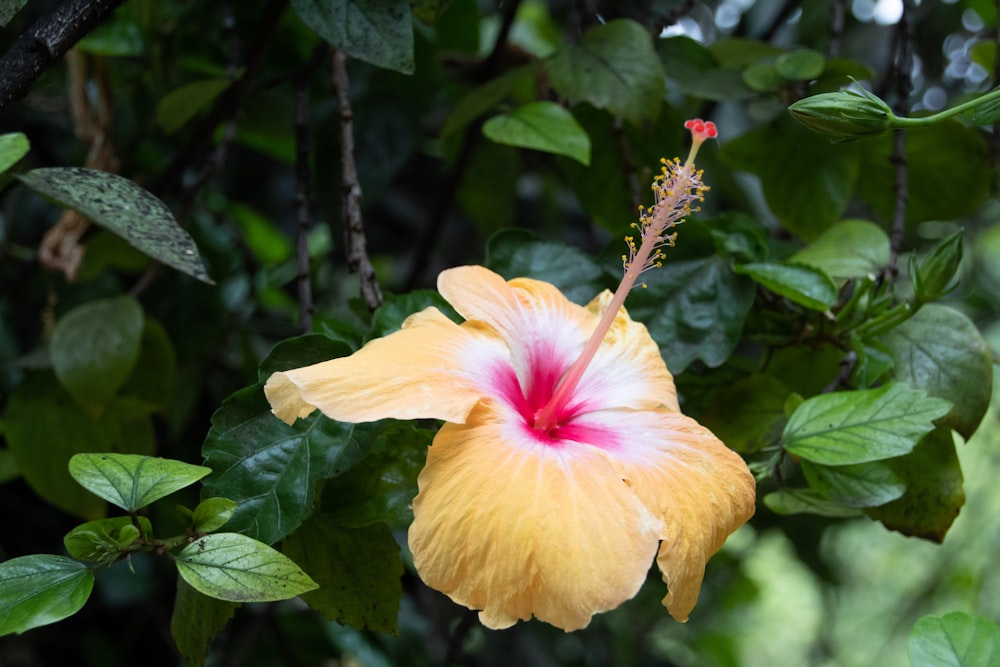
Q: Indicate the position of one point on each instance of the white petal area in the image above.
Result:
(431, 368)
(516, 528)
(700, 489)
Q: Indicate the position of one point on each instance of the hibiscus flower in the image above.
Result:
(564, 466)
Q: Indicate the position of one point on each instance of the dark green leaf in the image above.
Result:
(397, 307)
(272, 469)
(489, 187)
(119, 37)
(237, 568)
(934, 493)
(95, 346)
(804, 285)
(860, 485)
(800, 65)
(543, 126)
(517, 253)
(808, 181)
(848, 249)
(300, 351)
(45, 427)
(741, 52)
(806, 501)
(377, 31)
(41, 589)
(763, 78)
(946, 174)
(131, 481)
(358, 571)
(747, 414)
(99, 541)
(196, 620)
(154, 376)
(123, 207)
(181, 105)
(13, 147)
(940, 351)
(613, 67)
(695, 309)
(956, 639)
(516, 85)
(849, 427)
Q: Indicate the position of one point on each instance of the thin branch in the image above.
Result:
(45, 42)
(350, 204)
(904, 86)
(785, 13)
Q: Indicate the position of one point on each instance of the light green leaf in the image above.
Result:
(131, 481)
(848, 249)
(800, 65)
(99, 541)
(804, 285)
(212, 514)
(806, 501)
(988, 112)
(613, 67)
(234, 567)
(379, 32)
(859, 426)
(95, 346)
(763, 78)
(358, 571)
(41, 589)
(13, 147)
(940, 351)
(181, 105)
(860, 485)
(956, 639)
(543, 126)
(123, 207)
(196, 620)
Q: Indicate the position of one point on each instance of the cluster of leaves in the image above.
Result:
(789, 328)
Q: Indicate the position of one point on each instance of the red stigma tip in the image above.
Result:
(702, 129)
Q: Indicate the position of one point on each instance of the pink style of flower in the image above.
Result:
(564, 466)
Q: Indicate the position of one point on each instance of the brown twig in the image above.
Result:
(45, 42)
(902, 69)
(350, 201)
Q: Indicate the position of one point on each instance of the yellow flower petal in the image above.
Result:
(701, 490)
(431, 368)
(516, 528)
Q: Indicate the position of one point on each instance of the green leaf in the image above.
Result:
(119, 37)
(695, 309)
(956, 639)
(8, 8)
(488, 192)
(940, 351)
(301, 351)
(196, 620)
(514, 85)
(848, 249)
(613, 67)
(212, 514)
(747, 414)
(358, 571)
(514, 253)
(121, 206)
(154, 377)
(945, 148)
(988, 112)
(806, 501)
(800, 65)
(41, 589)
(804, 285)
(13, 147)
(45, 427)
(934, 493)
(763, 78)
(543, 126)
(131, 481)
(100, 541)
(181, 105)
(95, 346)
(237, 568)
(379, 32)
(860, 485)
(808, 181)
(859, 426)
(272, 469)
(396, 308)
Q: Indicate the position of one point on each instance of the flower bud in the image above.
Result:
(845, 115)
(934, 275)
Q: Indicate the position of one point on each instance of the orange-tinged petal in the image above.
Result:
(431, 368)
(701, 490)
(516, 528)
